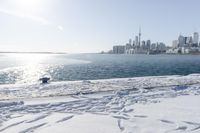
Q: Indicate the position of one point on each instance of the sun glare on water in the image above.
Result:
(30, 59)
(31, 67)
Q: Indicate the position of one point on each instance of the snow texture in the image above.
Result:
(146, 104)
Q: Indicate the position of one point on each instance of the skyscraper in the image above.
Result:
(181, 41)
(140, 36)
(136, 41)
(187, 40)
(133, 43)
(143, 45)
(190, 41)
(148, 44)
(130, 41)
(175, 44)
(195, 38)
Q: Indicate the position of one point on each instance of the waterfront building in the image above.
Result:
(185, 45)
(181, 41)
(161, 47)
(148, 44)
(130, 41)
(140, 51)
(143, 45)
(130, 51)
(175, 44)
(187, 41)
(128, 46)
(136, 41)
(173, 51)
(153, 46)
(195, 38)
(133, 43)
(140, 34)
(136, 46)
(190, 41)
(118, 49)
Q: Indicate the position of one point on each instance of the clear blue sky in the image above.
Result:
(92, 25)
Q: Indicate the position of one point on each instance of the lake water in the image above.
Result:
(28, 68)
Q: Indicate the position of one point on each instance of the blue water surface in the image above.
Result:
(28, 68)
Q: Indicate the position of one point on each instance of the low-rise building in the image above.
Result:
(173, 51)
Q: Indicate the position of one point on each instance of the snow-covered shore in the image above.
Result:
(54, 89)
(144, 104)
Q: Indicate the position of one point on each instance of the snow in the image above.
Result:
(86, 87)
(142, 105)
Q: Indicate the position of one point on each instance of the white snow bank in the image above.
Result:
(142, 105)
(179, 114)
(87, 87)
(86, 123)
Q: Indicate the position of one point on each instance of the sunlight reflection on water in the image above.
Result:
(28, 68)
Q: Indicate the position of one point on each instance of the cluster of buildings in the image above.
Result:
(136, 46)
(185, 45)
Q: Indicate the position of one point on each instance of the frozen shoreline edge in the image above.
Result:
(67, 88)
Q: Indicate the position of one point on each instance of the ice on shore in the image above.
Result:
(87, 87)
(146, 104)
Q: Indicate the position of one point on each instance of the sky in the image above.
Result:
(87, 26)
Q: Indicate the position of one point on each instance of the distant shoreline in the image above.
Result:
(152, 54)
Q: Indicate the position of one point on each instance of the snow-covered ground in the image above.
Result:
(131, 105)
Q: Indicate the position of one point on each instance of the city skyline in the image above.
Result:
(139, 46)
(91, 26)
(182, 45)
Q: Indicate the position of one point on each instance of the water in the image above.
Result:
(28, 68)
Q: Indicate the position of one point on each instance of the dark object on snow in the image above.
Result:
(180, 88)
(44, 80)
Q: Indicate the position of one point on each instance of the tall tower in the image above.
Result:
(140, 36)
